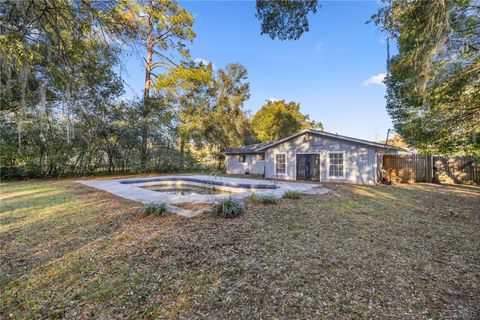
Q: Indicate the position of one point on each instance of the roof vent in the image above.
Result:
(307, 137)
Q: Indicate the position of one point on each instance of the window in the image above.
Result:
(261, 157)
(281, 163)
(242, 158)
(336, 168)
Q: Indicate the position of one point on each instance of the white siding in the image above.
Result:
(252, 164)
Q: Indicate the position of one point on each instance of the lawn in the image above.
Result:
(408, 251)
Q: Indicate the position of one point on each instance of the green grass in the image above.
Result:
(262, 198)
(292, 195)
(157, 209)
(69, 251)
(228, 208)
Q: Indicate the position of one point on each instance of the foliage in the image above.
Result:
(210, 110)
(262, 198)
(279, 119)
(433, 90)
(285, 19)
(57, 42)
(59, 88)
(292, 195)
(228, 208)
(162, 29)
(396, 141)
(156, 209)
(62, 111)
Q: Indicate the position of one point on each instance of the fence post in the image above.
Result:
(429, 168)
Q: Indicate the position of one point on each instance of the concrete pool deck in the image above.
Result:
(131, 189)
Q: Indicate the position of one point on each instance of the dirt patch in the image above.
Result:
(194, 206)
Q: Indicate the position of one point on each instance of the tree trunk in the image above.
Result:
(146, 97)
(182, 152)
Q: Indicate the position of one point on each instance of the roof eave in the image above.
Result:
(243, 152)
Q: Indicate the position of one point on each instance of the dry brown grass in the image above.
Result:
(409, 251)
(194, 206)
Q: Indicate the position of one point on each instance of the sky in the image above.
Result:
(334, 71)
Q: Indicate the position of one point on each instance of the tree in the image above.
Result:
(56, 61)
(278, 119)
(285, 19)
(227, 123)
(210, 109)
(433, 89)
(396, 141)
(47, 46)
(162, 27)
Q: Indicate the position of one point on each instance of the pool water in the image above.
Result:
(184, 190)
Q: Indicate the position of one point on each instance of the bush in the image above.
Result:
(157, 209)
(292, 195)
(264, 199)
(29, 171)
(228, 208)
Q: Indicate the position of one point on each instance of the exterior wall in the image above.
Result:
(252, 164)
(360, 160)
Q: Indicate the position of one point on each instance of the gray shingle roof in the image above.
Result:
(251, 148)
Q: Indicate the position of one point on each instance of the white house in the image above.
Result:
(311, 155)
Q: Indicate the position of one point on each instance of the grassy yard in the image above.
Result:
(409, 251)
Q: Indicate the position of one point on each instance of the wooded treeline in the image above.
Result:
(433, 85)
(62, 106)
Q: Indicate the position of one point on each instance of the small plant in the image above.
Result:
(292, 195)
(157, 209)
(264, 199)
(228, 208)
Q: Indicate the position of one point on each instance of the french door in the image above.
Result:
(308, 167)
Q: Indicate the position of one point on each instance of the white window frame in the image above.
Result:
(258, 157)
(275, 164)
(344, 165)
(242, 155)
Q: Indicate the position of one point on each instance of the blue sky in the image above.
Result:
(332, 71)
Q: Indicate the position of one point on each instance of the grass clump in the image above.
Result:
(292, 195)
(264, 199)
(157, 209)
(228, 208)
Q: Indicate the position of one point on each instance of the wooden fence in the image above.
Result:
(426, 168)
(456, 170)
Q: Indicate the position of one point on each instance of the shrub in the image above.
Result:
(264, 199)
(228, 208)
(292, 195)
(154, 208)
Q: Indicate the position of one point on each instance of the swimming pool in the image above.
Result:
(203, 182)
(174, 189)
(184, 190)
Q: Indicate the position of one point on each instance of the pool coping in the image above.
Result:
(202, 181)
